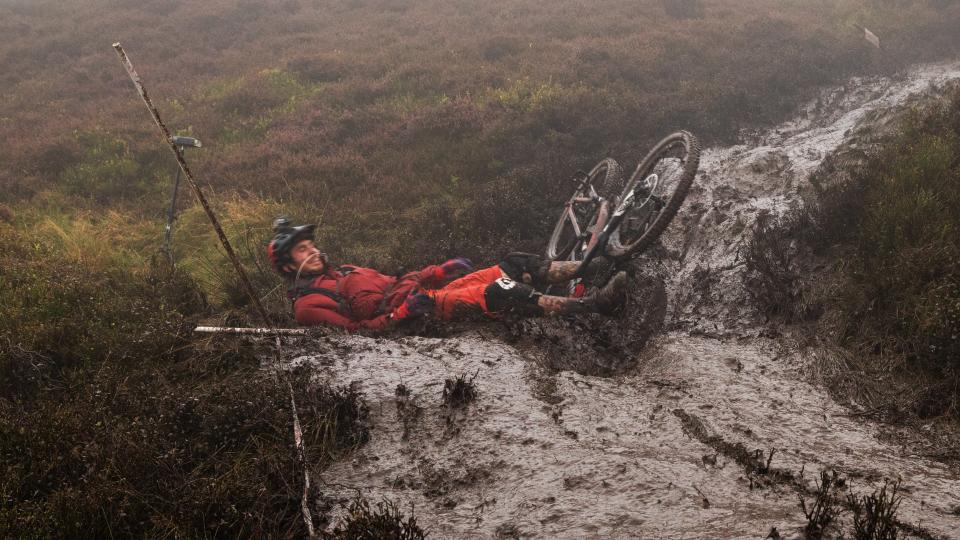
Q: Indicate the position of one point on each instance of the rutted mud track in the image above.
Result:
(665, 443)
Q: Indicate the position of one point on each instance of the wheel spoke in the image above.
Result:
(668, 169)
(661, 180)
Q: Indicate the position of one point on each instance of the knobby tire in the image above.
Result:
(615, 249)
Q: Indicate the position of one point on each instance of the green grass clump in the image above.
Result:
(106, 169)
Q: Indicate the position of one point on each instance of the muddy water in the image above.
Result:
(656, 450)
(767, 176)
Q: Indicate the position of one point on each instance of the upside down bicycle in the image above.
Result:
(604, 217)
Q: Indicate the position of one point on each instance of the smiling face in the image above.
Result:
(307, 259)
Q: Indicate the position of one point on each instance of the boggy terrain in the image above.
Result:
(444, 128)
(713, 427)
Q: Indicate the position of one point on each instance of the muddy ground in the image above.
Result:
(660, 424)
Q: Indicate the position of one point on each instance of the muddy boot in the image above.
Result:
(608, 300)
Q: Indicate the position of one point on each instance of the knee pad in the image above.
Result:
(518, 263)
(504, 294)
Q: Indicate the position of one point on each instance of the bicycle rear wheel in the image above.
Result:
(654, 193)
(572, 230)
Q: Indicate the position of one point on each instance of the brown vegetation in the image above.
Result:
(423, 121)
(874, 515)
(114, 421)
(459, 391)
(887, 286)
(411, 131)
(382, 521)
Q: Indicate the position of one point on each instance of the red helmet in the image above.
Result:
(284, 238)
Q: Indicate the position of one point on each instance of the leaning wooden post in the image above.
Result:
(297, 432)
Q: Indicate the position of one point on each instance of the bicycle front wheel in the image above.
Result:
(654, 193)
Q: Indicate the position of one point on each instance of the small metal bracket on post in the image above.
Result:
(181, 143)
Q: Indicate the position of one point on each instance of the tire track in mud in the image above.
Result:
(658, 441)
(757, 469)
(752, 462)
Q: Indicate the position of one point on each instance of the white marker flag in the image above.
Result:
(871, 37)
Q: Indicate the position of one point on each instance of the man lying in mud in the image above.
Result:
(356, 298)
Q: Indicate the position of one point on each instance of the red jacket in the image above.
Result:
(366, 297)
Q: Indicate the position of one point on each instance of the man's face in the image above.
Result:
(307, 258)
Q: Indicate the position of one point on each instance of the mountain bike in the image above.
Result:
(606, 218)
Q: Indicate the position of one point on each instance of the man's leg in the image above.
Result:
(491, 291)
(508, 295)
(494, 298)
(412, 281)
(534, 270)
(483, 276)
(460, 302)
(463, 297)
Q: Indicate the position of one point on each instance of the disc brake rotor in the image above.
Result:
(643, 213)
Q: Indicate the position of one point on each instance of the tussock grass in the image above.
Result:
(384, 520)
(874, 515)
(459, 391)
(115, 422)
(888, 284)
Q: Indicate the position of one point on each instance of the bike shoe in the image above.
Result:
(608, 300)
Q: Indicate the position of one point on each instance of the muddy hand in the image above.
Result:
(415, 305)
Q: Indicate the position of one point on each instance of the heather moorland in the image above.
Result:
(411, 131)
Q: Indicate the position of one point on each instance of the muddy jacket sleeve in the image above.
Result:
(315, 309)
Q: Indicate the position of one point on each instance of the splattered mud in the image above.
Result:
(678, 421)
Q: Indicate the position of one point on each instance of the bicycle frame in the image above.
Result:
(606, 222)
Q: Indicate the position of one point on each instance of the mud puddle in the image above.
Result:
(660, 445)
